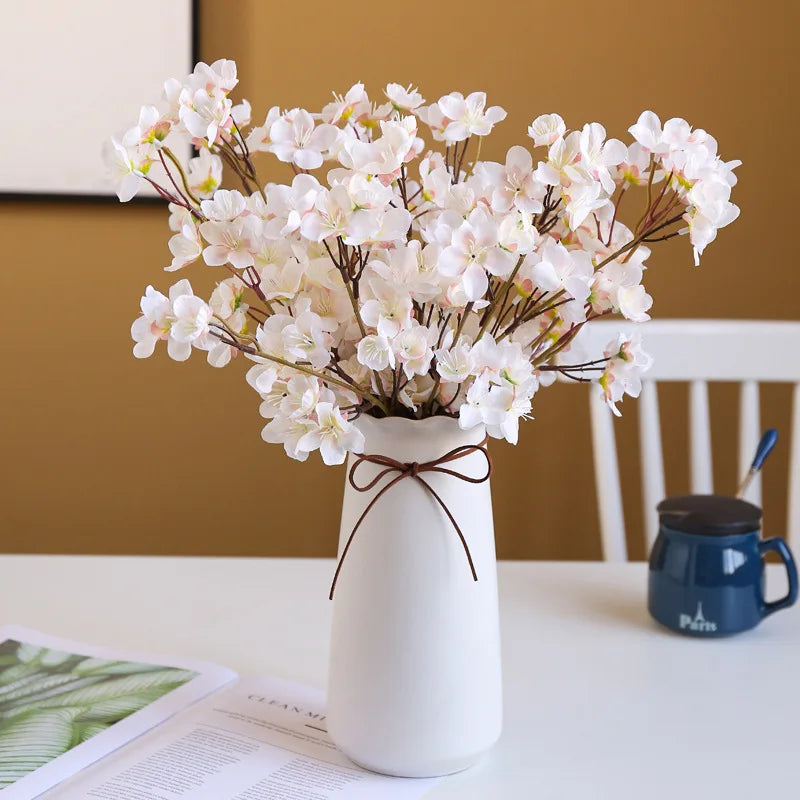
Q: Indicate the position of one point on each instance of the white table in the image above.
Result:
(600, 702)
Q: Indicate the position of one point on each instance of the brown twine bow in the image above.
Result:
(412, 470)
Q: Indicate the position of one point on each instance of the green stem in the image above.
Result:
(173, 158)
(477, 156)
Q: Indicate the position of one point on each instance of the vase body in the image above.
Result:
(414, 683)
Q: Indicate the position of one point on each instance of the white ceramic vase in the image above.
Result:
(414, 684)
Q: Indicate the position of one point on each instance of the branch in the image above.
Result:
(229, 337)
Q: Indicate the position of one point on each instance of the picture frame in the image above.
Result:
(104, 71)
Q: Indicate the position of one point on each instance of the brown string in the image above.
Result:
(412, 470)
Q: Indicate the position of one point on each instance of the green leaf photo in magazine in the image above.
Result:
(52, 701)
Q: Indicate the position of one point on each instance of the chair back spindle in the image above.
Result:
(652, 469)
(749, 434)
(696, 352)
(702, 472)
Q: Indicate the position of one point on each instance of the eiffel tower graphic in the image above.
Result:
(699, 619)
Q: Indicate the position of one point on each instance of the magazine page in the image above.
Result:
(259, 739)
(64, 705)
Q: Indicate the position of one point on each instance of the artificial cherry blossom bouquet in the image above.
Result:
(399, 276)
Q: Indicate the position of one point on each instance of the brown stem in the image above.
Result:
(437, 378)
(501, 304)
(463, 153)
(614, 218)
(354, 303)
(648, 208)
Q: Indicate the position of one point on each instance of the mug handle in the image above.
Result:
(780, 547)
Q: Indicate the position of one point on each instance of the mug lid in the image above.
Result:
(709, 514)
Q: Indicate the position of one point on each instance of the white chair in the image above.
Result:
(694, 351)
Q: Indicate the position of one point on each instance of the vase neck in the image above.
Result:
(408, 440)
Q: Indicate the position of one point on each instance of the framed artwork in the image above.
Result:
(81, 71)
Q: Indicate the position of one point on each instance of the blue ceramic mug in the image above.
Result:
(707, 566)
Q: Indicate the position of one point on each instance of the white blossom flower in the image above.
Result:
(648, 133)
(171, 94)
(389, 308)
(220, 354)
(404, 99)
(562, 154)
(204, 114)
(229, 305)
(635, 167)
(296, 139)
(518, 188)
(330, 216)
(258, 139)
(232, 242)
(622, 374)
(413, 349)
(545, 129)
(262, 378)
(303, 393)
(349, 108)
(375, 352)
(228, 299)
(127, 167)
(179, 216)
(150, 131)
(393, 225)
(468, 116)
(181, 319)
(517, 233)
(191, 317)
(219, 76)
(154, 324)
(240, 114)
(269, 335)
(514, 404)
(474, 252)
(282, 281)
(384, 155)
(503, 363)
(225, 205)
(433, 117)
(710, 209)
(556, 269)
(435, 178)
(205, 174)
(599, 155)
(583, 196)
(290, 432)
(287, 205)
(617, 287)
(186, 247)
(307, 338)
(364, 191)
(334, 435)
(634, 303)
(483, 405)
(454, 364)
(410, 266)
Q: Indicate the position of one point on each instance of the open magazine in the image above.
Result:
(79, 722)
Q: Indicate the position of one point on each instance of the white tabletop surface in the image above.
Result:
(600, 702)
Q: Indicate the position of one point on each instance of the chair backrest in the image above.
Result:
(697, 352)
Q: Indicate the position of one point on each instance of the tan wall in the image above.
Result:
(105, 454)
